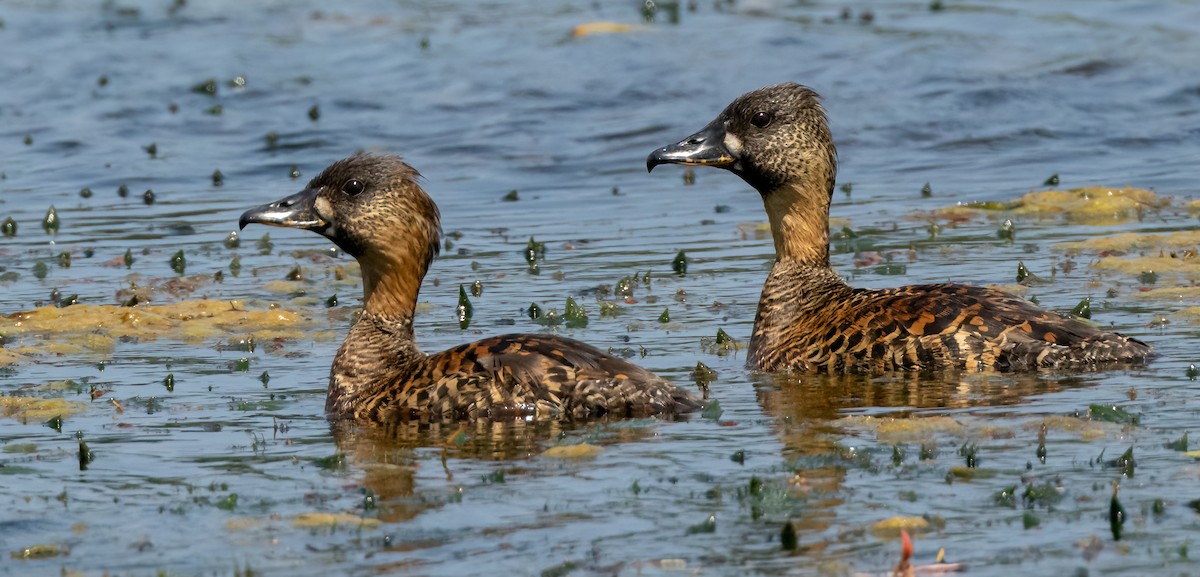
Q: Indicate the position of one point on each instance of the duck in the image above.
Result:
(373, 207)
(777, 140)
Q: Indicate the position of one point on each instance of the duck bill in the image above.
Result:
(705, 148)
(295, 211)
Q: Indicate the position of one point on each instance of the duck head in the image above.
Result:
(372, 207)
(771, 137)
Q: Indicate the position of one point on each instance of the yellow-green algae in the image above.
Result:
(332, 519)
(97, 326)
(1182, 240)
(891, 527)
(893, 430)
(1095, 205)
(577, 451)
(40, 552)
(34, 408)
(1179, 293)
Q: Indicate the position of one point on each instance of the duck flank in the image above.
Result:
(777, 139)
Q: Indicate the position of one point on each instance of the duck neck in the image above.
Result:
(799, 217)
(390, 290)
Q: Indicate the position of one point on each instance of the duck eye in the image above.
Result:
(761, 119)
(353, 187)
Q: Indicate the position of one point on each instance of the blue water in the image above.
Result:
(983, 101)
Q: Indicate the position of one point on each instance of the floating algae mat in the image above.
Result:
(91, 326)
(1095, 205)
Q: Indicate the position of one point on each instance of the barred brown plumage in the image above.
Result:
(373, 208)
(777, 139)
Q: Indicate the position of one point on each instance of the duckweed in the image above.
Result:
(890, 528)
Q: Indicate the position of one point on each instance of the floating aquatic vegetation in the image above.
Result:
(1119, 243)
(891, 527)
(679, 263)
(334, 520)
(85, 454)
(37, 409)
(179, 262)
(187, 320)
(148, 197)
(1052, 181)
(151, 149)
(294, 172)
(207, 87)
(123, 191)
(215, 110)
(218, 179)
(1116, 513)
(665, 317)
(926, 191)
(40, 552)
(296, 274)
(592, 28)
(709, 525)
(233, 240)
(169, 382)
(85, 192)
(1112, 414)
(9, 227)
(477, 289)
(331, 301)
(40, 270)
(1007, 230)
(512, 196)
(464, 310)
(1084, 308)
(574, 314)
(235, 266)
(50, 222)
(576, 451)
(712, 410)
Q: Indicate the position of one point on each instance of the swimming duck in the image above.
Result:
(777, 139)
(373, 208)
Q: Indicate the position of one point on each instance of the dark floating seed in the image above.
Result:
(219, 276)
(148, 196)
(217, 178)
(128, 258)
(215, 110)
(272, 139)
(235, 266)
(926, 191)
(787, 537)
(1192, 372)
(28, 140)
(102, 81)
(295, 274)
(179, 262)
(535, 251)
(132, 302)
(55, 423)
(64, 259)
(69, 301)
(314, 113)
(665, 317)
(151, 149)
(534, 311)
(1052, 181)
(512, 196)
(169, 382)
(477, 289)
(1148, 277)
(723, 337)
(55, 296)
(1116, 513)
(703, 375)
(85, 454)
(9, 227)
(50, 222)
(173, 108)
(331, 301)
(265, 378)
(85, 192)
(123, 191)
(424, 43)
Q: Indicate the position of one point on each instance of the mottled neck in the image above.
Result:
(799, 217)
